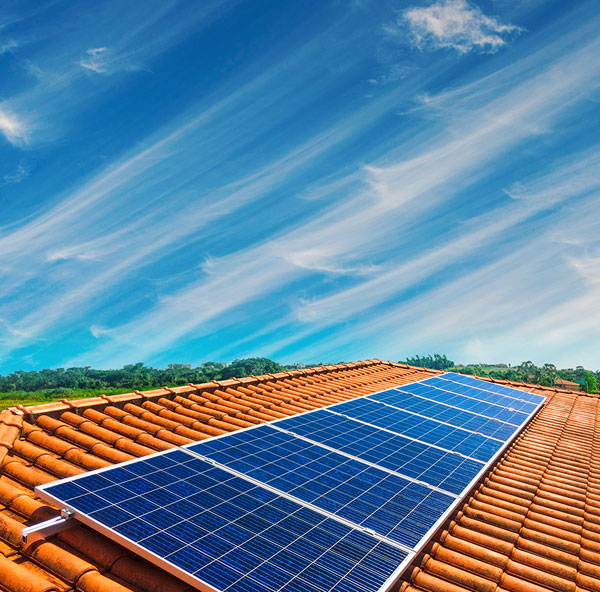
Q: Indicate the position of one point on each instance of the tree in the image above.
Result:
(590, 385)
(251, 367)
(436, 362)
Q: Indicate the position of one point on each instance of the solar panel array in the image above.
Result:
(333, 500)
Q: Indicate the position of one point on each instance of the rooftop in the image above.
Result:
(533, 525)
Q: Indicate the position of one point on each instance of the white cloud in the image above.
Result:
(458, 25)
(16, 177)
(155, 178)
(7, 46)
(576, 179)
(105, 60)
(67, 254)
(538, 298)
(12, 127)
(97, 331)
(95, 60)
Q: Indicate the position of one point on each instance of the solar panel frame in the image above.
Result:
(203, 586)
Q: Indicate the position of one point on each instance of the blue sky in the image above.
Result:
(308, 181)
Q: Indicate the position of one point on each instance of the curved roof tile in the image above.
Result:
(533, 525)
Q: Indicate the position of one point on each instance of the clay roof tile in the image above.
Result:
(532, 525)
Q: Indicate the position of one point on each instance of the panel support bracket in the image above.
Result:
(47, 528)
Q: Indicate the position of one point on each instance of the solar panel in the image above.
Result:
(331, 500)
(493, 387)
(369, 496)
(411, 458)
(479, 394)
(469, 420)
(425, 429)
(472, 404)
(214, 528)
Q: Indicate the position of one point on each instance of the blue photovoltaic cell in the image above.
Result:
(325, 501)
(432, 393)
(446, 470)
(477, 393)
(494, 388)
(370, 497)
(422, 428)
(226, 531)
(456, 417)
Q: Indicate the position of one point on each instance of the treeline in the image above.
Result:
(545, 375)
(139, 376)
(134, 376)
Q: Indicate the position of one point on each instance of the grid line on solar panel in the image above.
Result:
(368, 496)
(494, 388)
(404, 435)
(403, 400)
(241, 532)
(475, 392)
(353, 451)
(469, 443)
(432, 393)
(418, 461)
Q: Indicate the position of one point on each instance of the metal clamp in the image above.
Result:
(48, 527)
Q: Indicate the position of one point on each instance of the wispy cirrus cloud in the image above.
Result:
(16, 176)
(574, 180)
(458, 25)
(107, 60)
(155, 188)
(95, 60)
(8, 46)
(284, 212)
(107, 40)
(537, 289)
(383, 211)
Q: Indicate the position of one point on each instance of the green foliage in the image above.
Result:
(436, 362)
(545, 375)
(30, 388)
(251, 367)
(591, 385)
(35, 387)
(132, 376)
(13, 398)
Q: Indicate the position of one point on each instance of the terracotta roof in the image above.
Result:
(533, 525)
